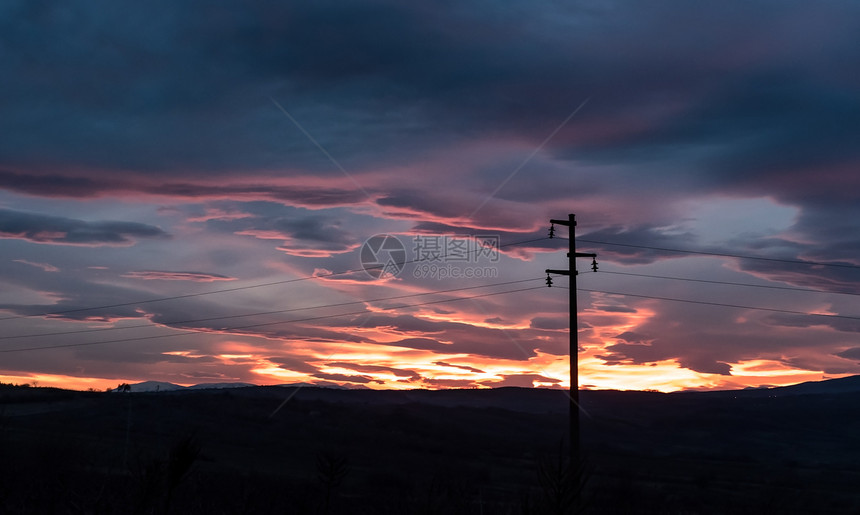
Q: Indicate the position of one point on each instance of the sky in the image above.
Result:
(199, 192)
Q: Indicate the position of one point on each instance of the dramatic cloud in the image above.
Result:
(852, 353)
(152, 153)
(163, 275)
(406, 374)
(40, 228)
(312, 236)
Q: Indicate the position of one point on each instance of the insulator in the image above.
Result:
(551, 230)
(594, 264)
(548, 281)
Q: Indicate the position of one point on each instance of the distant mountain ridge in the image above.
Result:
(163, 386)
(850, 384)
(826, 386)
(218, 386)
(838, 385)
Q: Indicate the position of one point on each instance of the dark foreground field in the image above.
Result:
(448, 452)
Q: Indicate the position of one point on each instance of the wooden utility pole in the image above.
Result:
(575, 455)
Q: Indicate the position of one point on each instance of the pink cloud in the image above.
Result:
(163, 275)
(44, 266)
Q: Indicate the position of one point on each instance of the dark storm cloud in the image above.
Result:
(552, 323)
(788, 127)
(371, 369)
(817, 363)
(94, 185)
(294, 364)
(156, 91)
(317, 228)
(822, 245)
(706, 365)
(304, 235)
(614, 309)
(757, 133)
(420, 344)
(294, 195)
(389, 54)
(633, 353)
(52, 185)
(853, 353)
(692, 358)
(849, 324)
(835, 276)
(629, 243)
(40, 228)
(720, 99)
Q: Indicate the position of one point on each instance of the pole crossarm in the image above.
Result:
(559, 272)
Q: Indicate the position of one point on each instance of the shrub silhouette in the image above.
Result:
(331, 471)
(561, 486)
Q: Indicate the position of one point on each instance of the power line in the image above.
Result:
(729, 283)
(290, 310)
(723, 254)
(309, 319)
(721, 304)
(252, 286)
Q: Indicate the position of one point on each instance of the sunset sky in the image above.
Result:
(185, 189)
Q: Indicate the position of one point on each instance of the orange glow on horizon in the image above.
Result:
(61, 381)
(665, 376)
(383, 365)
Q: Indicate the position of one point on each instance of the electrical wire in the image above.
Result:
(729, 283)
(309, 319)
(261, 313)
(721, 254)
(252, 286)
(720, 304)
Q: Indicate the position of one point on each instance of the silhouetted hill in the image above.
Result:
(312, 450)
(828, 386)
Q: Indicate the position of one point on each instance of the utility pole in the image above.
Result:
(575, 455)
